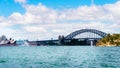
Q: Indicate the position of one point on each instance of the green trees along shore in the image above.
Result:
(110, 40)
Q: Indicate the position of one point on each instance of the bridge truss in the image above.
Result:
(73, 34)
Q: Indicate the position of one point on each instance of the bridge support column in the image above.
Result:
(61, 40)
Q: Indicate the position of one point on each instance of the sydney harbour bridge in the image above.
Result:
(79, 37)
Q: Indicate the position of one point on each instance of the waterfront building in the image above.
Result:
(5, 41)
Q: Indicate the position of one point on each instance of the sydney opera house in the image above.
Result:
(6, 41)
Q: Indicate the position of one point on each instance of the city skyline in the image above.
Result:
(46, 19)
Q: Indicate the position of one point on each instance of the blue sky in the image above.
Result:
(10, 6)
(46, 19)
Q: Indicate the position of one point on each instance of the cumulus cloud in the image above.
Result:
(41, 22)
(41, 13)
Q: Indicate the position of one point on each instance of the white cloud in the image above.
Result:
(34, 29)
(41, 13)
(4, 22)
(41, 22)
(21, 1)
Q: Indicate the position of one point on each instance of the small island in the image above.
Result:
(109, 40)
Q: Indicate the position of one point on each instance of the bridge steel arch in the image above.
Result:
(73, 34)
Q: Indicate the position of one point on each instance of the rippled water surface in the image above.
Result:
(59, 57)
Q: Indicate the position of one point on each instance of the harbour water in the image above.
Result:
(59, 57)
